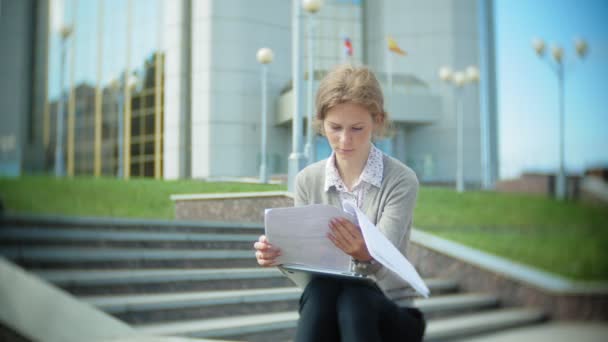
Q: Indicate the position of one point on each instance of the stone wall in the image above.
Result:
(585, 305)
(538, 183)
(247, 208)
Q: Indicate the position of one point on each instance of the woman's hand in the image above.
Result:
(265, 253)
(348, 237)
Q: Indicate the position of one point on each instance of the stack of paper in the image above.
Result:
(301, 233)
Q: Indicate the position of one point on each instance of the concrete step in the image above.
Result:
(138, 281)
(131, 224)
(138, 309)
(235, 327)
(258, 327)
(459, 303)
(104, 258)
(474, 324)
(94, 237)
(142, 309)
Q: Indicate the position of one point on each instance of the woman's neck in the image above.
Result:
(350, 169)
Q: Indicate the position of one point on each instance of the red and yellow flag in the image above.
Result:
(348, 47)
(394, 47)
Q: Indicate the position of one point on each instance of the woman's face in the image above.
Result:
(349, 128)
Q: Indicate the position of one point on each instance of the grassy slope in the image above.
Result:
(563, 237)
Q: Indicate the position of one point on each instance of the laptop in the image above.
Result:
(301, 275)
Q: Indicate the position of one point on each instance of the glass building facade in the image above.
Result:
(171, 89)
(112, 87)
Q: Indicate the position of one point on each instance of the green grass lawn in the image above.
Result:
(567, 238)
(88, 196)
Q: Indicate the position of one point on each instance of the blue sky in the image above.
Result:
(528, 91)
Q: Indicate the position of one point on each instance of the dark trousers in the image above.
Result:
(333, 309)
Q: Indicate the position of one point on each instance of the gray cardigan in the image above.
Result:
(389, 207)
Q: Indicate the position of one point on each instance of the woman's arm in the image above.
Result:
(397, 213)
(301, 195)
(395, 217)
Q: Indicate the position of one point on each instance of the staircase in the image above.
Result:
(202, 280)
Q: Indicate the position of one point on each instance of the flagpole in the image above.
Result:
(389, 72)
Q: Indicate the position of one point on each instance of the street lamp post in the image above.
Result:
(558, 67)
(65, 33)
(459, 79)
(312, 7)
(264, 57)
(296, 158)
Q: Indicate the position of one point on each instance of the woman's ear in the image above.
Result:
(379, 124)
(318, 126)
(379, 119)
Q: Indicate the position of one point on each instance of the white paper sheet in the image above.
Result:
(383, 251)
(301, 233)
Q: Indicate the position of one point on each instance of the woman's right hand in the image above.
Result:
(265, 253)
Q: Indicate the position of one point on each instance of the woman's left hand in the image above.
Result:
(348, 237)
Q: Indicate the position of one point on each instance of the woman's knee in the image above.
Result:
(357, 303)
(319, 295)
(358, 313)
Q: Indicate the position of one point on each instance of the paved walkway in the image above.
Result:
(552, 332)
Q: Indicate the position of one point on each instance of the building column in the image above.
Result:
(177, 48)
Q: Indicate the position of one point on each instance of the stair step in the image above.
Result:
(448, 305)
(221, 327)
(200, 279)
(133, 224)
(136, 309)
(98, 282)
(488, 321)
(137, 281)
(439, 329)
(104, 238)
(72, 257)
(197, 305)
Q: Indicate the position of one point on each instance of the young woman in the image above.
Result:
(350, 112)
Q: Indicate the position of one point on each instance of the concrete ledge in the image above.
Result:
(193, 197)
(236, 207)
(40, 312)
(529, 275)
(514, 283)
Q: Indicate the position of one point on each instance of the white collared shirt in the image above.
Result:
(370, 176)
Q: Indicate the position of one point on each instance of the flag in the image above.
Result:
(392, 46)
(348, 47)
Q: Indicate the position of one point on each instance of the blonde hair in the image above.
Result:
(352, 84)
